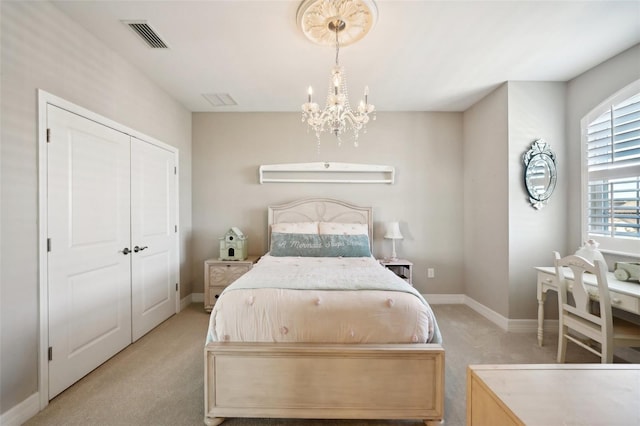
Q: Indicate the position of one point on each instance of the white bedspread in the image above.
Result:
(321, 300)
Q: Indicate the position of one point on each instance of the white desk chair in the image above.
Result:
(602, 327)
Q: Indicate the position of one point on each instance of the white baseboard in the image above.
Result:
(491, 315)
(21, 412)
(445, 299)
(192, 298)
(185, 301)
(513, 325)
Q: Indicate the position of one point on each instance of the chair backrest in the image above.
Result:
(583, 294)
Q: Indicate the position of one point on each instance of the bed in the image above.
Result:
(263, 366)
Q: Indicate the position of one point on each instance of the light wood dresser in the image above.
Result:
(218, 274)
(553, 394)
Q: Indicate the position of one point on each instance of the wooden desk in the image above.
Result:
(625, 295)
(553, 394)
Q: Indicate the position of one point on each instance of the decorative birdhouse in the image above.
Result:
(233, 246)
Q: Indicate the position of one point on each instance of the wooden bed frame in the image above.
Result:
(337, 381)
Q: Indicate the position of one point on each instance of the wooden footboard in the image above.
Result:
(323, 381)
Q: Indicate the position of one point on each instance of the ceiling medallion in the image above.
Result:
(316, 18)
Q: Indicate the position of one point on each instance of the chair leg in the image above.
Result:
(607, 354)
(562, 345)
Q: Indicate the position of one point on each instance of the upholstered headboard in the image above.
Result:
(320, 210)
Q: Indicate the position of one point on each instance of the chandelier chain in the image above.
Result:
(337, 46)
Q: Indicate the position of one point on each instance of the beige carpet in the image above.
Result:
(159, 379)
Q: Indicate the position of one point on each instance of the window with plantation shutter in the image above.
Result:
(613, 177)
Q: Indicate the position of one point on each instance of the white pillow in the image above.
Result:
(295, 227)
(337, 228)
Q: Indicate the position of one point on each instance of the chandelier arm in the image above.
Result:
(356, 120)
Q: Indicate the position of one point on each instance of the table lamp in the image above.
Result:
(393, 234)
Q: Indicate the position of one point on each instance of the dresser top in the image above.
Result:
(566, 394)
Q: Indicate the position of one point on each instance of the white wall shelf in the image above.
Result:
(326, 172)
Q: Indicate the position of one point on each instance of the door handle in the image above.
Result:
(126, 251)
(137, 249)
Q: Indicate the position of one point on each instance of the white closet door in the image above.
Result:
(153, 232)
(88, 176)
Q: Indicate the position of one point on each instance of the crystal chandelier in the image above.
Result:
(351, 19)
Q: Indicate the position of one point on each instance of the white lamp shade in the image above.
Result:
(393, 231)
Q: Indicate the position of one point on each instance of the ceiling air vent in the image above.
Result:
(148, 34)
(220, 99)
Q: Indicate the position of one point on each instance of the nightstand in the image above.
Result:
(401, 267)
(220, 273)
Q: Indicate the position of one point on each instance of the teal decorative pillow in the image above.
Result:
(285, 244)
(339, 245)
(314, 245)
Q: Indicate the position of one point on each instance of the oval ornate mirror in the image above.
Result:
(539, 173)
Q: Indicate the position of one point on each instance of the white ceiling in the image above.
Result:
(419, 56)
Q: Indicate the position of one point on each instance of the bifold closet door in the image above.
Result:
(88, 222)
(153, 236)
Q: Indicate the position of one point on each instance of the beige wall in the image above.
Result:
(486, 203)
(536, 110)
(505, 237)
(42, 48)
(425, 148)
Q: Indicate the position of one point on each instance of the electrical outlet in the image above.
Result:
(431, 273)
